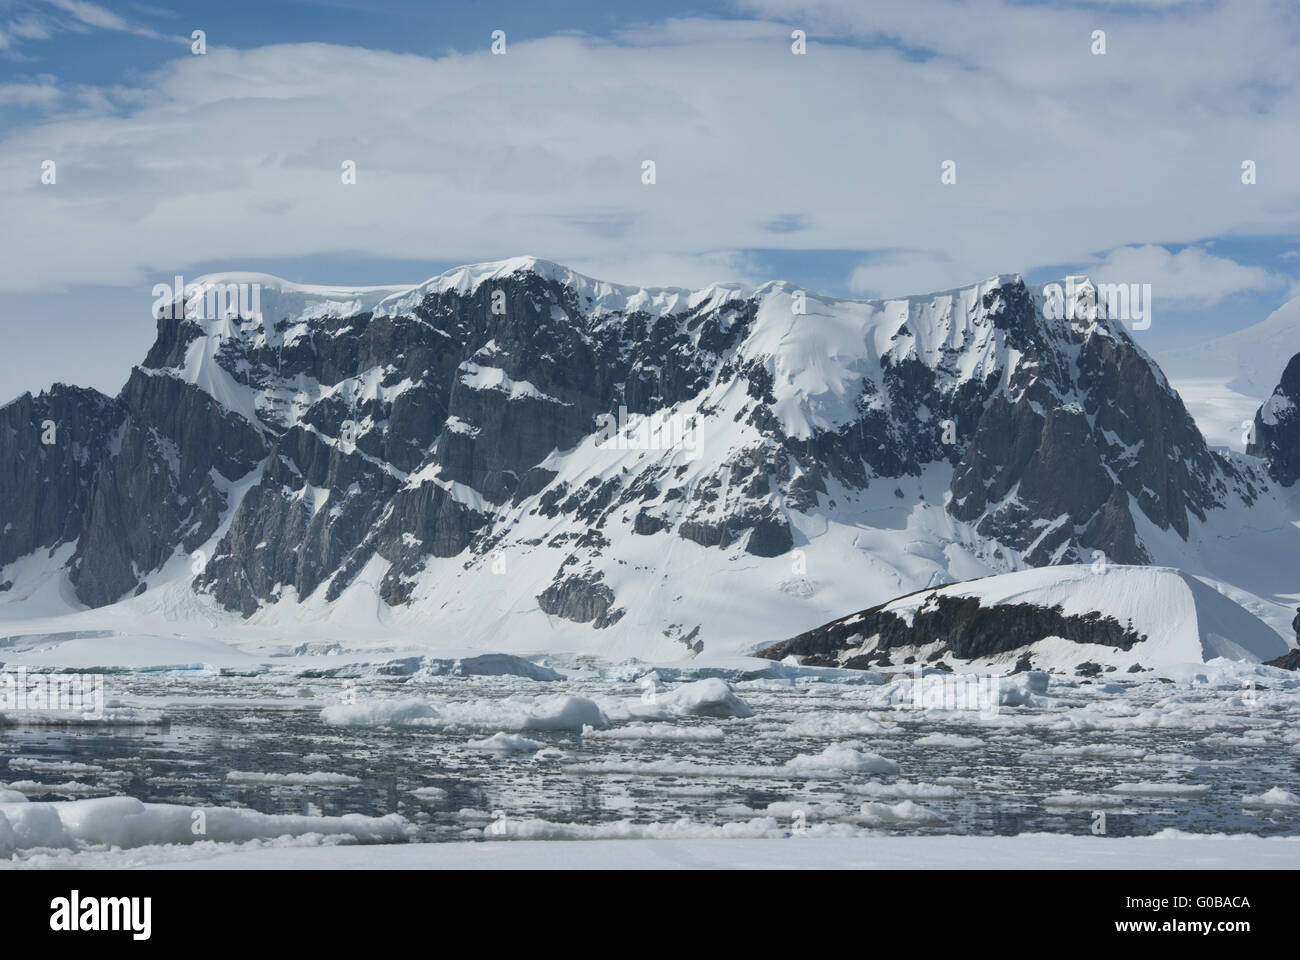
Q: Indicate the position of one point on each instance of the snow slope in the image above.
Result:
(1223, 381)
(1249, 361)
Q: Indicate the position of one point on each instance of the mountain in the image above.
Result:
(1063, 617)
(1224, 380)
(1248, 361)
(1277, 427)
(515, 455)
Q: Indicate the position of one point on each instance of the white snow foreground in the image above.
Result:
(125, 823)
(1167, 850)
(1184, 620)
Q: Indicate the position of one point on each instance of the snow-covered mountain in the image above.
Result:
(1249, 361)
(513, 455)
(1223, 381)
(1277, 427)
(1060, 617)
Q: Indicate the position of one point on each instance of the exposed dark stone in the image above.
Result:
(156, 492)
(1277, 427)
(769, 536)
(647, 523)
(45, 489)
(964, 627)
(580, 599)
(1112, 530)
(1288, 661)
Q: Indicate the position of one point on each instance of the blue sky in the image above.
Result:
(822, 169)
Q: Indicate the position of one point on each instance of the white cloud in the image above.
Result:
(42, 93)
(1192, 277)
(236, 155)
(905, 272)
(46, 20)
(98, 17)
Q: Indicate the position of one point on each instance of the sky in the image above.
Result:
(824, 168)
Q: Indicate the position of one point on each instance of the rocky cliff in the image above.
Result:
(1277, 427)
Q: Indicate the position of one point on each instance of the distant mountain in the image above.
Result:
(1277, 427)
(1065, 617)
(518, 455)
(1249, 361)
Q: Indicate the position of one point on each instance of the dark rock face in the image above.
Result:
(1277, 428)
(308, 445)
(580, 599)
(45, 488)
(1080, 461)
(159, 489)
(1288, 661)
(1291, 659)
(960, 625)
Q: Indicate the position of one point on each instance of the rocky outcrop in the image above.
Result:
(1291, 659)
(162, 486)
(1075, 449)
(1288, 661)
(1277, 428)
(960, 626)
(582, 599)
(51, 446)
(1112, 614)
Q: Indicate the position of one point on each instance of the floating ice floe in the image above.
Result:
(506, 743)
(711, 697)
(71, 788)
(110, 717)
(841, 758)
(905, 811)
(1073, 799)
(553, 712)
(53, 766)
(125, 822)
(1162, 789)
(836, 760)
(736, 670)
(317, 779)
(902, 790)
(429, 667)
(948, 740)
(657, 731)
(429, 793)
(837, 724)
(1275, 798)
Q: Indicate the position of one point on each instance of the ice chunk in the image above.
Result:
(552, 712)
(1271, 799)
(127, 822)
(292, 779)
(841, 757)
(711, 697)
(506, 743)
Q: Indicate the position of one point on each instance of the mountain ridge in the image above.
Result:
(407, 445)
